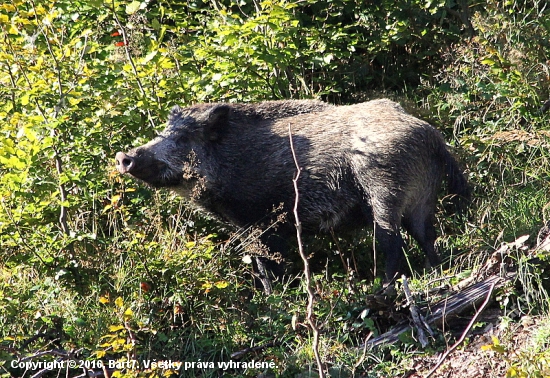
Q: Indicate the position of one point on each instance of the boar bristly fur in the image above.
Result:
(361, 165)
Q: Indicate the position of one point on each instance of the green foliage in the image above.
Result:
(95, 263)
(532, 361)
(490, 93)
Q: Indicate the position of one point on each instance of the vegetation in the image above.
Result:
(97, 268)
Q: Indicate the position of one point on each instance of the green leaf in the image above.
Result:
(488, 62)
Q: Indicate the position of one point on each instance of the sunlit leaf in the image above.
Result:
(133, 7)
(119, 302)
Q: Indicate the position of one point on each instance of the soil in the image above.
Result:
(472, 361)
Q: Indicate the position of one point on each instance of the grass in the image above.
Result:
(169, 296)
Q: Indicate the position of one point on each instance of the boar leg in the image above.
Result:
(391, 245)
(423, 231)
(263, 278)
(267, 269)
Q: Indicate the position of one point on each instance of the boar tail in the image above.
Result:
(457, 186)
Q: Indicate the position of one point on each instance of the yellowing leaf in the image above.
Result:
(118, 344)
(133, 7)
(12, 30)
(149, 56)
(25, 99)
(128, 314)
(488, 62)
(30, 134)
(115, 328)
(167, 64)
(100, 353)
(221, 284)
(115, 199)
(119, 302)
(74, 101)
(39, 9)
(7, 7)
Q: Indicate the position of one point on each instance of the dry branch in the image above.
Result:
(449, 307)
(465, 333)
(307, 273)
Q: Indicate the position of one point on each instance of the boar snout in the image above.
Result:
(124, 163)
(145, 165)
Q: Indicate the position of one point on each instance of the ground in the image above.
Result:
(476, 358)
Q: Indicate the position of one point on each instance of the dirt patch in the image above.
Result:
(474, 361)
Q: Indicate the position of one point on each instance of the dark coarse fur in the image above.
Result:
(363, 164)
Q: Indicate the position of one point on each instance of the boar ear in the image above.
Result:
(214, 121)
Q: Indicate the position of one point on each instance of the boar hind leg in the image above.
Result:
(391, 244)
(422, 229)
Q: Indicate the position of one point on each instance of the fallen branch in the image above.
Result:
(52, 352)
(464, 334)
(449, 307)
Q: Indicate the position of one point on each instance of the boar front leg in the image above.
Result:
(268, 269)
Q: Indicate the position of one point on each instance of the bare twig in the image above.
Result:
(307, 272)
(132, 64)
(464, 334)
(63, 212)
(51, 352)
(364, 355)
(240, 353)
(375, 263)
(133, 340)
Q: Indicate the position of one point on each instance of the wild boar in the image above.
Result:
(361, 165)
